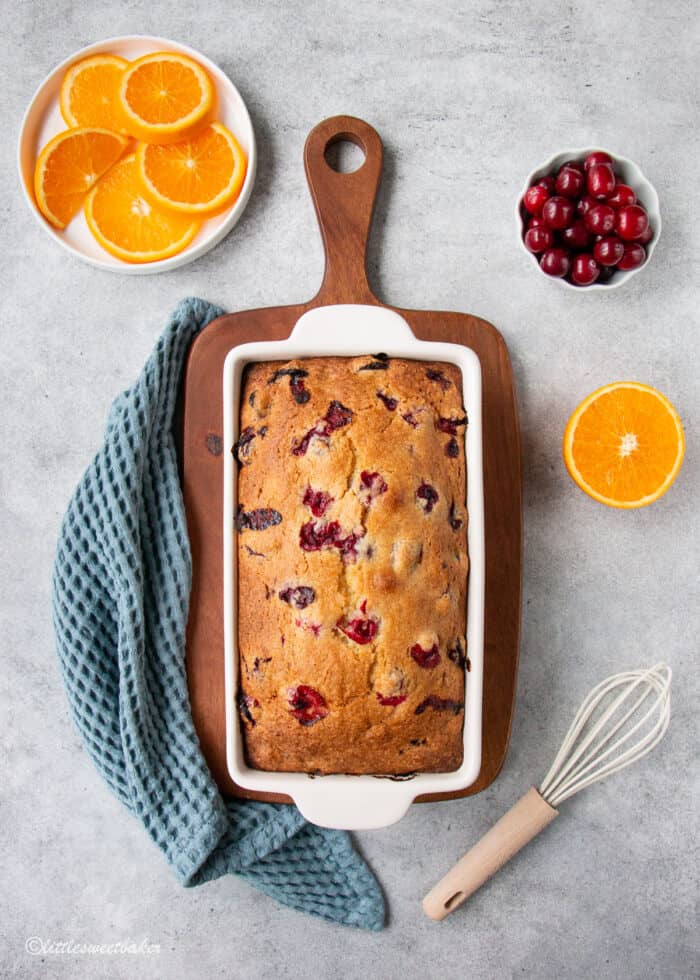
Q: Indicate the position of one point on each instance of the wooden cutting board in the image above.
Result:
(344, 206)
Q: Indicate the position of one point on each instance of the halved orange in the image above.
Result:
(89, 92)
(165, 97)
(69, 166)
(624, 444)
(202, 175)
(130, 227)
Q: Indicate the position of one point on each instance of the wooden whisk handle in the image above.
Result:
(525, 820)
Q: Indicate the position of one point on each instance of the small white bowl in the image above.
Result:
(43, 120)
(628, 173)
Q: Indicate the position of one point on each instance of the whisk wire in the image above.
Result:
(590, 703)
(627, 759)
(593, 759)
(595, 697)
(578, 766)
(591, 699)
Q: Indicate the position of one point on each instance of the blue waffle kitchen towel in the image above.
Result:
(121, 589)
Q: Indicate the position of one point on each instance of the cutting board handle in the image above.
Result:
(344, 205)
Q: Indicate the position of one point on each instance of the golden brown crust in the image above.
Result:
(384, 562)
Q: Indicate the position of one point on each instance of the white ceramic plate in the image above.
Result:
(43, 120)
(629, 173)
(340, 801)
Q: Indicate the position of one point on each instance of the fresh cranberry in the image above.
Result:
(548, 183)
(372, 485)
(307, 705)
(391, 700)
(360, 631)
(439, 704)
(645, 238)
(595, 158)
(631, 223)
(428, 496)
(585, 204)
(576, 235)
(572, 165)
(623, 196)
(558, 212)
(569, 182)
(607, 272)
(600, 219)
(608, 251)
(634, 256)
(538, 239)
(555, 262)
(534, 199)
(537, 222)
(600, 180)
(429, 659)
(317, 501)
(257, 520)
(299, 597)
(433, 375)
(584, 270)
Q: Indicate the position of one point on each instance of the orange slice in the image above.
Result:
(89, 92)
(130, 227)
(165, 97)
(69, 165)
(624, 445)
(202, 175)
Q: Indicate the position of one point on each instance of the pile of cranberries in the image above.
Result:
(583, 224)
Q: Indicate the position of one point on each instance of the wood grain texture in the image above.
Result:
(344, 206)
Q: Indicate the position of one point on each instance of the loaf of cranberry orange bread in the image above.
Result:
(352, 565)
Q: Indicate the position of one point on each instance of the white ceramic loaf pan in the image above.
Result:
(346, 801)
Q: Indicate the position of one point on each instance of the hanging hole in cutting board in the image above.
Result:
(344, 154)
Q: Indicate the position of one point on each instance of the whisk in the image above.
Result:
(635, 703)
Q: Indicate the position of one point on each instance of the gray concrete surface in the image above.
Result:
(467, 96)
